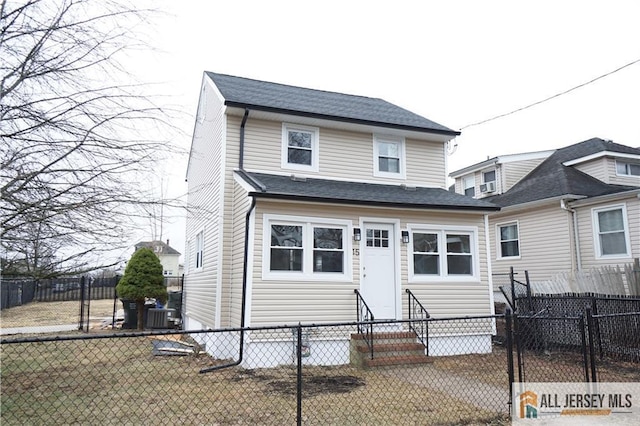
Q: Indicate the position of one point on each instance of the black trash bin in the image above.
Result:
(131, 314)
(175, 302)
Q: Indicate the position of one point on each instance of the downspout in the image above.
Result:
(576, 240)
(244, 121)
(245, 268)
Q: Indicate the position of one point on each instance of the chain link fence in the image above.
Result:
(202, 377)
(305, 374)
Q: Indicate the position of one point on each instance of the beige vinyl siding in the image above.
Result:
(342, 155)
(205, 210)
(232, 288)
(278, 301)
(516, 170)
(546, 242)
(587, 237)
(598, 169)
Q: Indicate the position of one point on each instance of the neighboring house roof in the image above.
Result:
(331, 191)
(261, 95)
(553, 179)
(502, 159)
(158, 247)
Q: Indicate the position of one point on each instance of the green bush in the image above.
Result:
(142, 279)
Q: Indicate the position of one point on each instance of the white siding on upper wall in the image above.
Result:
(278, 301)
(516, 170)
(545, 242)
(343, 155)
(204, 199)
(598, 169)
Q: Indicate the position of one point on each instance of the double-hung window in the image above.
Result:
(389, 157)
(440, 253)
(300, 147)
(300, 248)
(508, 240)
(469, 185)
(199, 249)
(610, 231)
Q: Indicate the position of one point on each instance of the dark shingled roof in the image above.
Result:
(262, 95)
(164, 248)
(331, 191)
(552, 179)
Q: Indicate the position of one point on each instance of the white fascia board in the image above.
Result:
(501, 159)
(539, 203)
(605, 198)
(600, 155)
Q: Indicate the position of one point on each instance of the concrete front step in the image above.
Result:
(384, 361)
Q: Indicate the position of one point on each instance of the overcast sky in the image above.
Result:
(454, 62)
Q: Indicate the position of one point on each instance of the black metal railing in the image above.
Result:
(418, 315)
(365, 316)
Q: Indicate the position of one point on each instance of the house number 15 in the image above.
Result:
(356, 252)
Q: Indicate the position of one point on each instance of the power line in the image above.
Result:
(551, 97)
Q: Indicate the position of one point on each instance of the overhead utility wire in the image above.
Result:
(551, 97)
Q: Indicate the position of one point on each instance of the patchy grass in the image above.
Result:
(54, 313)
(119, 381)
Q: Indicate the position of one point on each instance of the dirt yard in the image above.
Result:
(54, 313)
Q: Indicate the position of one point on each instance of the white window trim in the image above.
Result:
(403, 161)
(495, 172)
(197, 268)
(596, 232)
(498, 241)
(471, 178)
(307, 273)
(315, 148)
(627, 175)
(441, 230)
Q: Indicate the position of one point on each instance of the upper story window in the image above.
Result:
(440, 253)
(611, 233)
(469, 185)
(388, 157)
(488, 182)
(299, 248)
(624, 168)
(300, 147)
(508, 240)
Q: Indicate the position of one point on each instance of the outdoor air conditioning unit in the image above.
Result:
(157, 318)
(488, 187)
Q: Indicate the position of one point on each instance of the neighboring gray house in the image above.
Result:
(574, 209)
(320, 194)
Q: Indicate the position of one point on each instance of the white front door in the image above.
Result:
(378, 285)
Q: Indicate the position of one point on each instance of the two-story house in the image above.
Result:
(169, 257)
(298, 197)
(571, 209)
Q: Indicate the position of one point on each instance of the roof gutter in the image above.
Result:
(341, 119)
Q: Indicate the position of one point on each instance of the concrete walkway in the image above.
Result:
(482, 395)
(38, 329)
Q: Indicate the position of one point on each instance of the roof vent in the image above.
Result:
(298, 178)
(408, 187)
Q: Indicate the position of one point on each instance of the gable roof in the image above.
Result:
(553, 179)
(274, 97)
(341, 192)
(162, 248)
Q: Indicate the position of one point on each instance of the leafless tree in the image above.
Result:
(78, 135)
